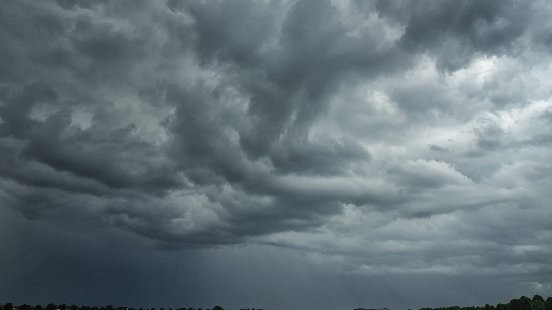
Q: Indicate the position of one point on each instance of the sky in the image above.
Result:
(275, 154)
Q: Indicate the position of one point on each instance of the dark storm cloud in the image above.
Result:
(370, 137)
(455, 32)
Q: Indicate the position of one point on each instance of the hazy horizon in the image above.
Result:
(275, 154)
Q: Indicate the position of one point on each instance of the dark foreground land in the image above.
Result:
(522, 303)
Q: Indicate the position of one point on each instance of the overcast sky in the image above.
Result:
(277, 154)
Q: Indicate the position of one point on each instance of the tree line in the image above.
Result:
(522, 303)
(51, 306)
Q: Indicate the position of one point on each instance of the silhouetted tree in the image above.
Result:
(523, 303)
(537, 303)
(548, 304)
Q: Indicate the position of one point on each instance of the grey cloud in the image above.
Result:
(324, 157)
(288, 84)
(489, 137)
(244, 130)
(362, 139)
(437, 148)
(455, 32)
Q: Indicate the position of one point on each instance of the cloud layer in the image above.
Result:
(377, 138)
